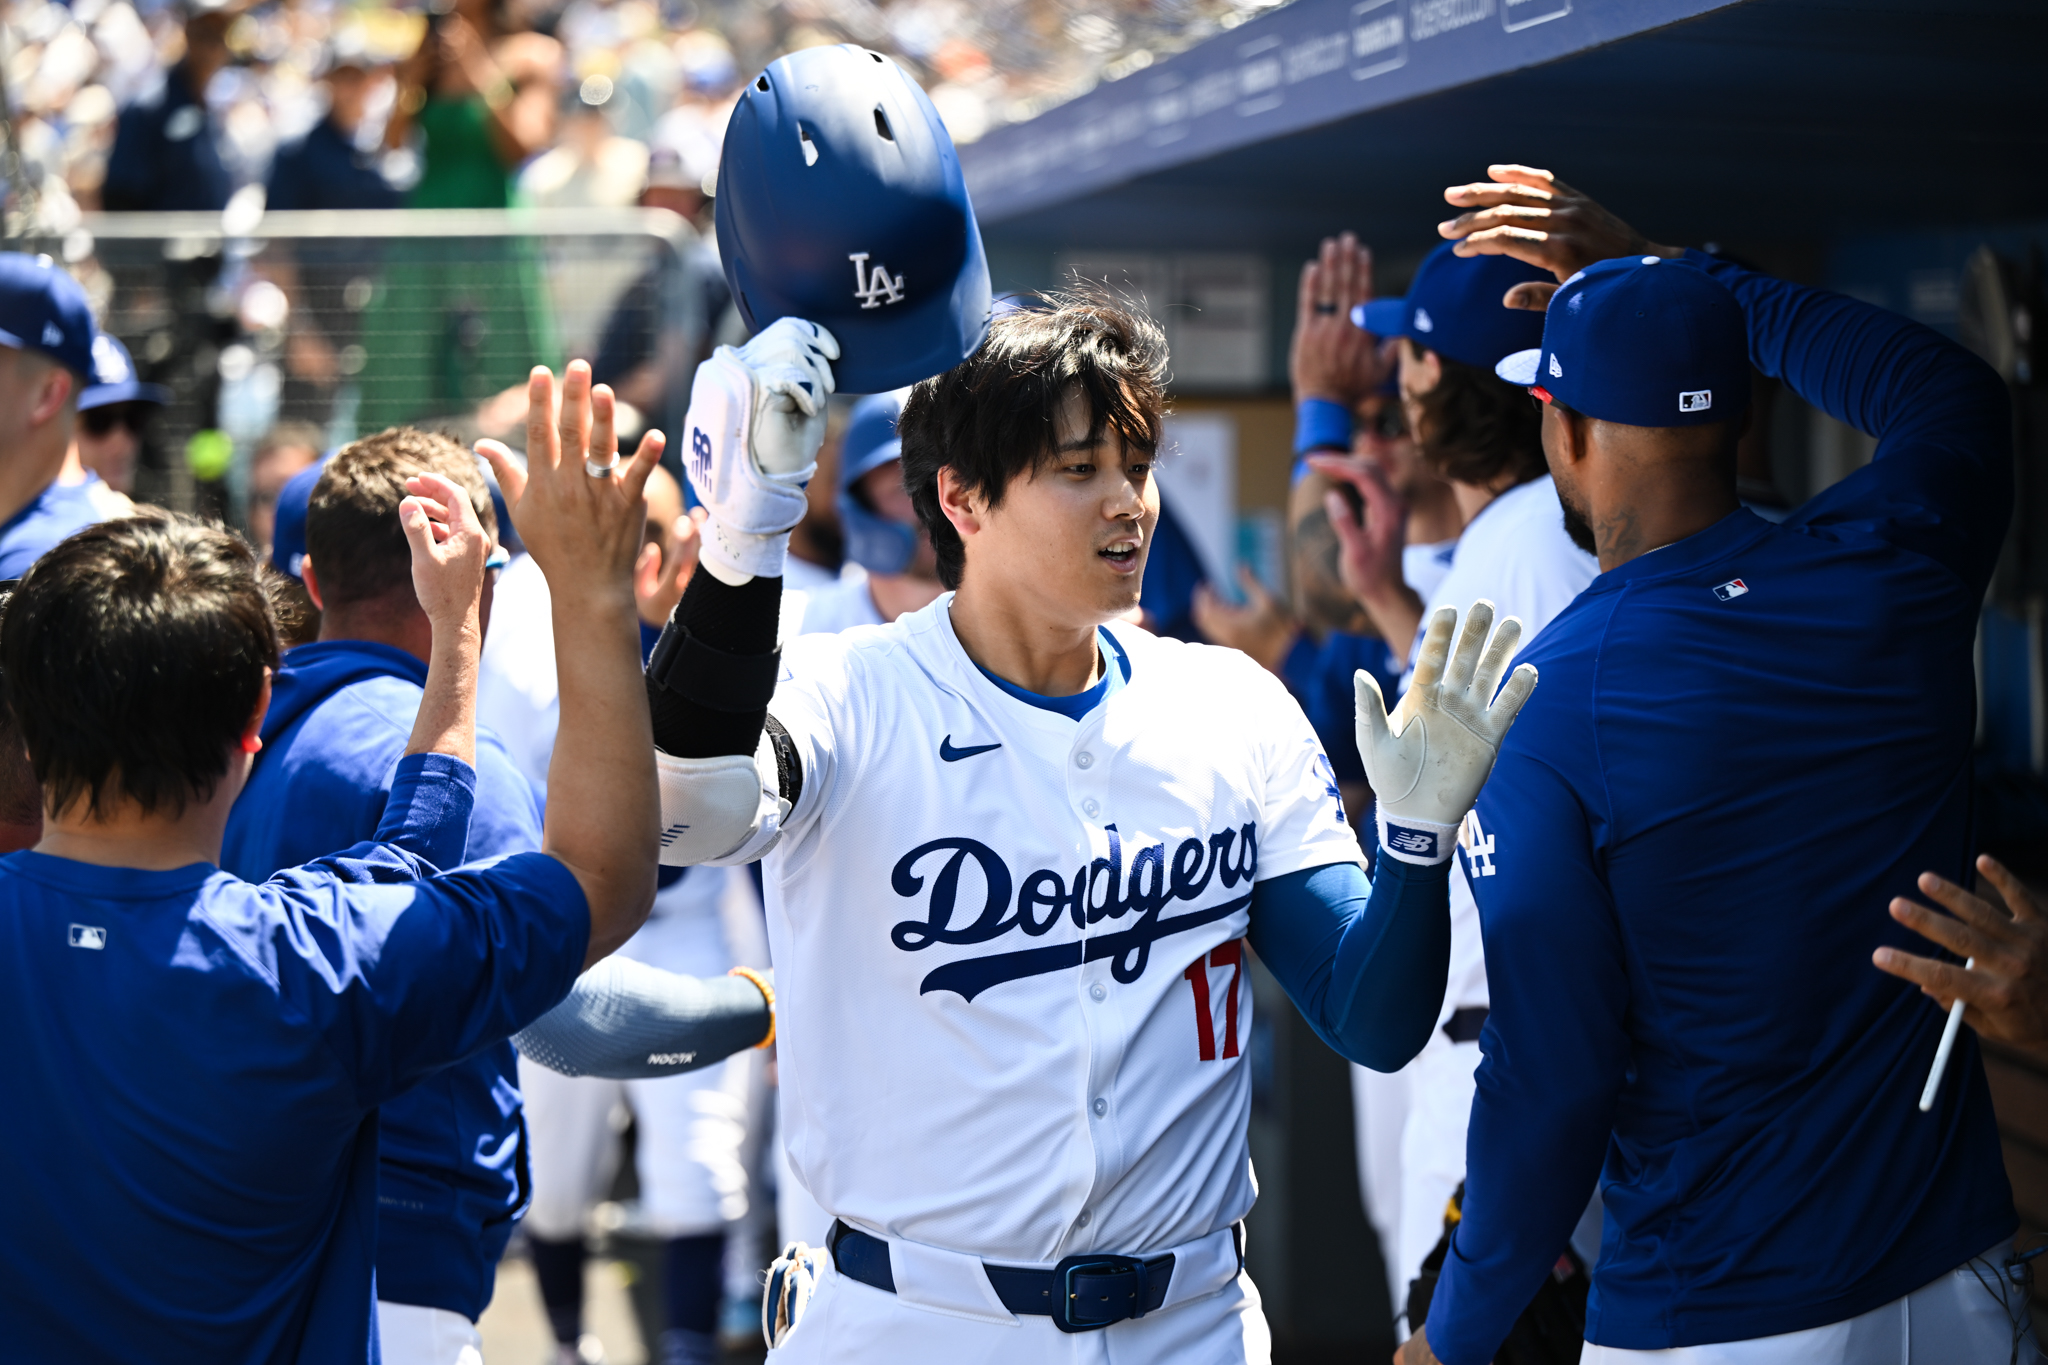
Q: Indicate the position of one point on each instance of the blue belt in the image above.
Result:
(1083, 1293)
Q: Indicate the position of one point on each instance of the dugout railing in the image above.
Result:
(349, 322)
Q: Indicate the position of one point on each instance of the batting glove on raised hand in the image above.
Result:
(1428, 760)
(757, 418)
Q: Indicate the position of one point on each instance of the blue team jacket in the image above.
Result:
(196, 1064)
(452, 1173)
(1743, 746)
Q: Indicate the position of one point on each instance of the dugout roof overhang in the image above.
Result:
(1772, 120)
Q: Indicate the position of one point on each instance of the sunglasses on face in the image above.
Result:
(101, 421)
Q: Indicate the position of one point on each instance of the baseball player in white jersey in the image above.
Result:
(1014, 853)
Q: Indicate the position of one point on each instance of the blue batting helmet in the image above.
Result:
(877, 543)
(840, 201)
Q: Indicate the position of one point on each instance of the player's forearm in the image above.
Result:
(714, 669)
(1873, 369)
(1365, 965)
(446, 723)
(1396, 612)
(625, 1020)
(602, 815)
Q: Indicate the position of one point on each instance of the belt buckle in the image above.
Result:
(1063, 1281)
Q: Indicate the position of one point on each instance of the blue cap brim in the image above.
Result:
(1520, 368)
(103, 395)
(1382, 317)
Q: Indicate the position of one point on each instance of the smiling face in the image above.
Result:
(1073, 533)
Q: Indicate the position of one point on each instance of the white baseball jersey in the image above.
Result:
(1009, 943)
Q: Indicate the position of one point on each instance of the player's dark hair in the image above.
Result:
(133, 654)
(1476, 426)
(995, 416)
(353, 535)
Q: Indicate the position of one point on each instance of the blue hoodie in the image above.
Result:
(452, 1173)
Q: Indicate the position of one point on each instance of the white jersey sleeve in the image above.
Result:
(1302, 824)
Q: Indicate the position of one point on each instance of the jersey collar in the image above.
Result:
(1732, 533)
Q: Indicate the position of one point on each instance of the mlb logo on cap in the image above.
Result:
(1644, 342)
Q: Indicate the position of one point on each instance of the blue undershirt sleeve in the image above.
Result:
(1940, 482)
(428, 811)
(1555, 1056)
(624, 1020)
(1363, 962)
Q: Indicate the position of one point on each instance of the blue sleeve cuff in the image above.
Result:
(649, 637)
(427, 813)
(1320, 424)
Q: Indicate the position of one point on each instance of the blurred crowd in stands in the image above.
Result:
(569, 97)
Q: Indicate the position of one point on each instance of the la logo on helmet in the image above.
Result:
(874, 288)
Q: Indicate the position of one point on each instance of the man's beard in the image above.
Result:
(1575, 523)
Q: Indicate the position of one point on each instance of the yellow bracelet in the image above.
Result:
(767, 991)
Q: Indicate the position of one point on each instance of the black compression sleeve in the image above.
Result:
(714, 618)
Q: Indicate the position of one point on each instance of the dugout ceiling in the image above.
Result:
(1771, 121)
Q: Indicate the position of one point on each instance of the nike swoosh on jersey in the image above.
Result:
(953, 755)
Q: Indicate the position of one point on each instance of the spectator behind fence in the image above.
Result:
(458, 320)
(166, 155)
(114, 412)
(286, 450)
(330, 168)
(46, 357)
(211, 1053)
(450, 1149)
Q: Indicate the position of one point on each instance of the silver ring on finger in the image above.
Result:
(601, 471)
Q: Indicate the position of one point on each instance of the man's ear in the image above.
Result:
(1567, 436)
(312, 583)
(57, 387)
(961, 507)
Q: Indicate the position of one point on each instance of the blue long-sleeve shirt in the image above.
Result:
(195, 1065)
(1744, 745)
(452, 1150)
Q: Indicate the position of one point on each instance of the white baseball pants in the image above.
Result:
(848, 1321)
(408, 1334)
(1966, 1317)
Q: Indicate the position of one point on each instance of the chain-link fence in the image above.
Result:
(336, 324)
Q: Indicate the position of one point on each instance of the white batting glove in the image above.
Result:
(757, 418)
(1428, 760)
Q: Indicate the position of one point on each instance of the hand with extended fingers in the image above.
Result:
(1331, 358)
(583, 528)
(1427, 761)
(1533, 216)
(2004, 990)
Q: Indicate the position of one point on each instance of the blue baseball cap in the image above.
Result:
(876, 543)
(113, 378)
(1641, 341)
(1454, 308)
(43, 309)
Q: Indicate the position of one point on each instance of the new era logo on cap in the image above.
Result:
(1423, 323)
(1730, 590)
(1556, 370)
(1697, 400)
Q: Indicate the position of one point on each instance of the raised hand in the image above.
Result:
(1533, 216)
(2005, 991)
(665, 565)
(1331, 358)
(1428, 760)
(1369, 547)
(583, 530)
(449, 546)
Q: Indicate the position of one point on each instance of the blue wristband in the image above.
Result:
(1320, 424)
